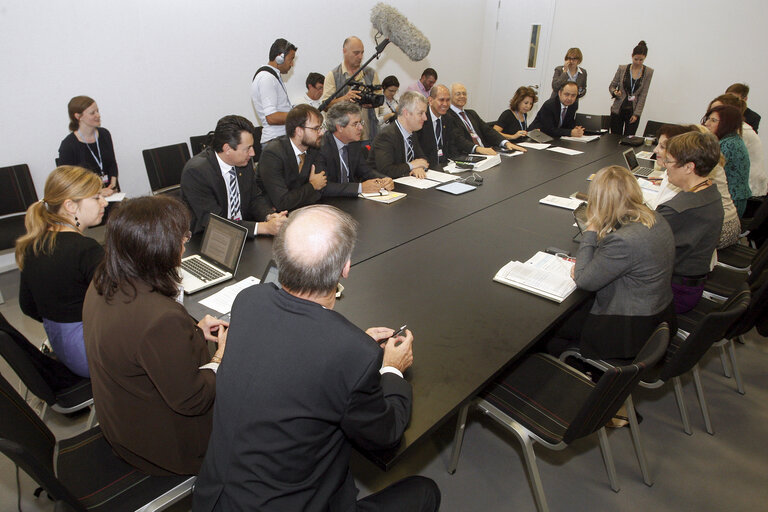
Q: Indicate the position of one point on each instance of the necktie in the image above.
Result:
(475, 138)
(409, 149)
(439, 133)
(302, 156)
(344, 165)
(234, 196)
(563, 110)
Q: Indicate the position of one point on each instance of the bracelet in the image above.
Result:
(216, 359)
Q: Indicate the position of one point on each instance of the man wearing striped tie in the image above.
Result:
(221, 180)
(396, 149)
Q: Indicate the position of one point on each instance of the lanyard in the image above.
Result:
(98, 159)
(633, 81)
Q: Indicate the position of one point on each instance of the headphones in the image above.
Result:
(280, 59)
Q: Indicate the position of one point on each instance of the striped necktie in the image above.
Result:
(474, 135)
(344, 164)
(409, 149)
(234, 196)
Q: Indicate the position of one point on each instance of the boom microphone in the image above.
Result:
(396, 27)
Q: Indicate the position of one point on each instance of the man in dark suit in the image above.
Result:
(557, 116)
(300, 382)
(432, 136)
(220, 180)
(342, 155)
(468, 132)
(396, 150)
(287, 165)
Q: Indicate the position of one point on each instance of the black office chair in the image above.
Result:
(164, 166)
(593, 121)
(17, 193)
(60, 390)
(81, 471)
(757, 309)
(546, 401)
(257, 143)
(722, 281)
(198, 143)
(685, 351)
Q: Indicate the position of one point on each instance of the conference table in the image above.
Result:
(428, 260)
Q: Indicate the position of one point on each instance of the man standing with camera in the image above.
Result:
(353, 50)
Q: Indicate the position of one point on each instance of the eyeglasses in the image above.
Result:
(668, 163)
(358, 124)
(319, 128)
(187, 237)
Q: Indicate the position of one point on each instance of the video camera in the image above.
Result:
(368, 96)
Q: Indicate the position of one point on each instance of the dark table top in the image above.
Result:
(429, 259)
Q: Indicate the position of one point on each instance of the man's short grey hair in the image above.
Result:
(338, 115)
(312, 248)
(436, 88)
(409, 101)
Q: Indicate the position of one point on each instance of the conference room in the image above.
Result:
(162, 78)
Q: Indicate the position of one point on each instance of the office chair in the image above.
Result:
(164, 166)
(82, 471)
(60, 390)
(543, 400)
(17, 193)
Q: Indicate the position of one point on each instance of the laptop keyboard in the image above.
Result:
(201, 270)
(642, 171)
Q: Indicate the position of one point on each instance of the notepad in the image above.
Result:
(534, 145)
(543, 274)
(568, 203)
(222, 300)
(583, 138)
(415, 182)
(565, 151)
(389, 198)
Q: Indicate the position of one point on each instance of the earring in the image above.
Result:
(77, 223)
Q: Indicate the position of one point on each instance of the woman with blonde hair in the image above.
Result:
(57, 261)
(625, 257)
(570, 71)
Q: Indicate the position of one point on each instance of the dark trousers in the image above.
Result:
(412, 494)
(620, 124)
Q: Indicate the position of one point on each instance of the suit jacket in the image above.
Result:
(460, 142)
(388, 154)
(204, 191)
(752, 118)
(287, 188)
(359, 171)
(548, 119)
(428, 142)
(298, 385)
(641, 92)
(155, 403)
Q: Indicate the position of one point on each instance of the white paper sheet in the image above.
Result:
(534, 145)
(222, 300)
(412, 181)
(116, 197)
(565, 151)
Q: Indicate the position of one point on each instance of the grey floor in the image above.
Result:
(724, 472)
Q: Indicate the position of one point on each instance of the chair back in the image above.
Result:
(757, 309)
(593, 121)
(17, 190)
(257, 142)
(42, 375)
(615, 386)
(199, 142)
(652, 128)
(683, 354)
(28, 442)
(759, 264)
(758, 226)
(164, 166)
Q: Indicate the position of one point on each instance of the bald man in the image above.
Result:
(352, 52)
(300, 382)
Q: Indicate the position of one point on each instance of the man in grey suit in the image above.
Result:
(396, 149)
(343, 158)
(300, 383)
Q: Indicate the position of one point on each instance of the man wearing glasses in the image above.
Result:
(287, 165)
(343, 157)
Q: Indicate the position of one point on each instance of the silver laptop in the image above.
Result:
(634, 166)
(220, 252)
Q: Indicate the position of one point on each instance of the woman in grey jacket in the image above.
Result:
(626, 258)
(629, 88)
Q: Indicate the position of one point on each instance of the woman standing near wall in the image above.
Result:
(570, 72)
(89, 145)
(629, 88)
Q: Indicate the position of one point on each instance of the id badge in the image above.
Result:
(440, 153)
(631, 98)
(105, 179)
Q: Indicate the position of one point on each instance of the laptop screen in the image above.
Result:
(223, 242)
(270, 274)
(629, 156)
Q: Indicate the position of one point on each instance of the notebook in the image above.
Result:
(220, 252)
(634, 166)
(539, 136)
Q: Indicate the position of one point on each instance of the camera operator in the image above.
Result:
(353, 50)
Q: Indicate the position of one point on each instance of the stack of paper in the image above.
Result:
(433, 178)
(534, 145)
(545, 275)
(565, 151)
(391, 197)
(569, 203)
(583, 138)
(487, 163)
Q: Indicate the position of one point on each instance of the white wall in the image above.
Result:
(162, 71)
